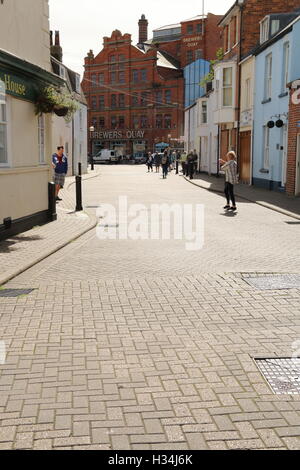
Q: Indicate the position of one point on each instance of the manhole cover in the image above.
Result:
(283, 375)
(15, 292)
(286, 281)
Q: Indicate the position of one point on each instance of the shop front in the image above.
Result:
(126, 143)
(25, 146)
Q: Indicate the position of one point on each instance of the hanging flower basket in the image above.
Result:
(62, 112)
(50, 100)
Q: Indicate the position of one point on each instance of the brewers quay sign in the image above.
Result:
(118, 135)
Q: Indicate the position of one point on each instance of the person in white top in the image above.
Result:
(229, 166)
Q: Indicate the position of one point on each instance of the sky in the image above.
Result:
(84, 23)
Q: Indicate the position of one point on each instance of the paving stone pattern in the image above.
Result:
(144, 345)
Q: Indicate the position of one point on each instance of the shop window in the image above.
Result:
(41, 138)
(168, 121)
(3, 125)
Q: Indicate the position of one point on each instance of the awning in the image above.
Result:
(162, 145)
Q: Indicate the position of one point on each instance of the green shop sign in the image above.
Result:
(18, 87)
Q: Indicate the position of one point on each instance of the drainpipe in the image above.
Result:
(238, 140)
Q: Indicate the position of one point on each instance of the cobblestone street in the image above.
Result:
(127, 344)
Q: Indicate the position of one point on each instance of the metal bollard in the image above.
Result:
(52, 202)
(92, 163)
(177, 167)
(79, 190)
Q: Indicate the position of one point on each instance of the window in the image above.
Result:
(122, 57)
(266, 156)
(264, 29)
(159, 97)
(190, 29)
(159, 121)
(229, 38)
(286, 63)
(226, 30)
(168, 96)
(101, 78)
(80, 120)
(112, 58)
(135, 100)
(190, 57)
(94, 122)
(144, 98)
(94, 102)
(135, 75)
(198, 54)
(199, 28)
(121, 77)
(114, 122)
(204, 112)
(113, 77)
(227, 86)
(234, 32)
(122, 101)
(168, 121)
(62, 72)
(136, 122)
(121, 122)
(101, 102)
(41, 137)
(143, 75)
(268, 77)
(77, 83)
(144, 122)
(3, 126)
(102, 122)
(94, 79)
(275, 25)
(113, 101)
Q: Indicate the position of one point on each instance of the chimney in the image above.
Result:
(56, 49)
(143, 30)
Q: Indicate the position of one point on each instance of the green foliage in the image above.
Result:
(211, 74)
(50, 100)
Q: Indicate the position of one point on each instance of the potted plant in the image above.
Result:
(50, 100)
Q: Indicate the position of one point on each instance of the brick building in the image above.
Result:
(293, 164)
(135, 94)
(241, 29)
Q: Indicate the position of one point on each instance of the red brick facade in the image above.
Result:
(135, 98)
(293, 136)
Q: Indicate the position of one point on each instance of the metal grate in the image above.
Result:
(275, 282)
(14, 292)
(282, 374)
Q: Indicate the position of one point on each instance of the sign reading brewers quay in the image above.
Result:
(118, 135)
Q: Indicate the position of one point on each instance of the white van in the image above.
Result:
(105, 156)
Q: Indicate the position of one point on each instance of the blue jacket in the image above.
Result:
(60, 168)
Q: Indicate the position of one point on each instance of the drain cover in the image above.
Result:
(283, 375)
(286, 281)
(14, 292)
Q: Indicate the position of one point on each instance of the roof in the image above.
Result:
(162, 61)
(286, 29)
(169, 26)
(199, 17)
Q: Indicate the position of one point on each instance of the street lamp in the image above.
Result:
(92, 129)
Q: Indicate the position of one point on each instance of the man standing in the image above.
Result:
(60, 166)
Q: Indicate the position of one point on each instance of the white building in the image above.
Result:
(207, 134)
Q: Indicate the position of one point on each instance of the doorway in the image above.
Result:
(284, 156)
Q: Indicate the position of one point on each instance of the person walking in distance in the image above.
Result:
(157, 162)
(150, 162)
(165, 164)
(183, 161)
(60, 166)
(229, 166)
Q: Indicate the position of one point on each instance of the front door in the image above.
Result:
(245, 157)
(283, 156)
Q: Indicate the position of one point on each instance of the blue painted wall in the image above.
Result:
(193, 74)
(279, 104)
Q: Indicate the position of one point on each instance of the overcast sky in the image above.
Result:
(84, 23)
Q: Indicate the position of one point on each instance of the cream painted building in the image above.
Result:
(25, 138)
(246, 116)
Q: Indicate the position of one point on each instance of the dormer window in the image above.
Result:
(275, 25)
(264, 29)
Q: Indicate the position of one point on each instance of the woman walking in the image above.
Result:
(165, 164)
(229, 166)
(150, 162)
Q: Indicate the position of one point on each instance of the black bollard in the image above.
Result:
(92, 163)
(52, 202)
(79, 190)
(177, 167)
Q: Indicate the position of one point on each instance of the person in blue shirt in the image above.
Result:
(60, 166)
